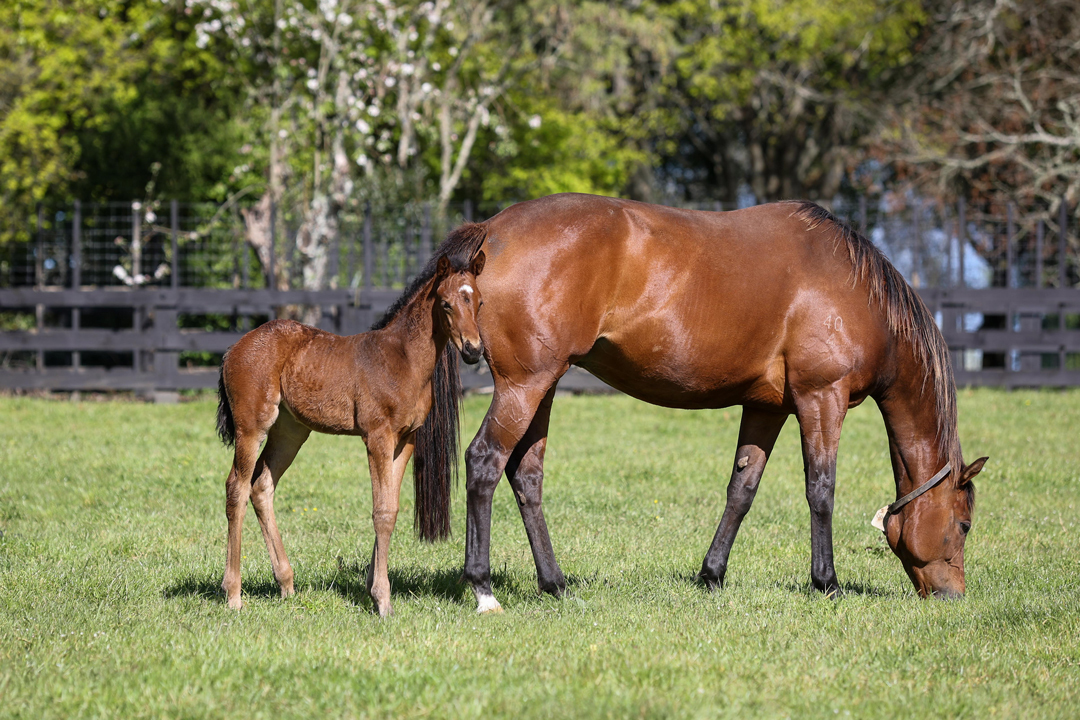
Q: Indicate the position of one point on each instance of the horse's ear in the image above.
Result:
(443, 268)
(478, 261)
(970, 471)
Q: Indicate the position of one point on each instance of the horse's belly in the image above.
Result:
(686, 379)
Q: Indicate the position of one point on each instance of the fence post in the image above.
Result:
(962, 238)
(369, 258)
(1063, 260)
(1063, 273)
(39, 282)
(425, 237)
(1010, 272)
(174, 236)
(917, 262)
(335, 260)
(271, 282)
(1039, 255)
(76, 277)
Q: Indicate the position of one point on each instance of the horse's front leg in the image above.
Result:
(821, 415)
(387, 458)
(507, 420)
(525, 471)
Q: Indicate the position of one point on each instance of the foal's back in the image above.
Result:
(314, 375)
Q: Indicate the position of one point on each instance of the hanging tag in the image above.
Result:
(879, 518)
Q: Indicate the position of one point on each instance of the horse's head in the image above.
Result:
(928, 532)
(458, 301)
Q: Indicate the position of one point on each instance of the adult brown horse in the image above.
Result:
(779, 308)
(283, 380)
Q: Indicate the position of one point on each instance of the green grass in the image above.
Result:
(113, 545)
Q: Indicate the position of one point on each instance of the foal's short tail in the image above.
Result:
(435, 465)
(226, 428)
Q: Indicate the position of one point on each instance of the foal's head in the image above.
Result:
(928, 534)
(457, 303)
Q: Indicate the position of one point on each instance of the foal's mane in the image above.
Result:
(906, 316)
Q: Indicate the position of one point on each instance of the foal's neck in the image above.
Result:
(415, 332)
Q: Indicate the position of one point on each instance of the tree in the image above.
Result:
(778, 96)
(992, 106)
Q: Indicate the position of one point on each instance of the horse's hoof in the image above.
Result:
(486, 604)
(235, 603)
(287, 591)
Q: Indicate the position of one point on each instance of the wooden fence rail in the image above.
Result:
(156, 340)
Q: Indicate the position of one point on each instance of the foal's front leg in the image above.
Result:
(386, 460)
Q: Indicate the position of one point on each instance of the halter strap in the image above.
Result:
(920, 490)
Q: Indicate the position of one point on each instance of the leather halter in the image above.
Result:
(884, 513)
(920, 490)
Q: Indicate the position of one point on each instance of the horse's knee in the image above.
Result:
(483, 465)
(819, 496)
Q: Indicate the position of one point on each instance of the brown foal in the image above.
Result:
(283, 380)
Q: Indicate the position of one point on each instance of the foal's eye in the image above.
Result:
(965, 526)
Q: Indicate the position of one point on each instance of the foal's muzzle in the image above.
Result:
(470, 353)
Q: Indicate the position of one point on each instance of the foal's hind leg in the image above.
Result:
(237, 491)
(525, 471)
(821, 415)
(282, 443)
(757, 435)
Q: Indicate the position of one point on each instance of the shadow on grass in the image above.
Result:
(806, 588)
(349, 580)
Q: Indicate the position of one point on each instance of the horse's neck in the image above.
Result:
(911, 420)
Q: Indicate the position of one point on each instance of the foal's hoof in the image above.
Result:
(287, 591)
(235, 603)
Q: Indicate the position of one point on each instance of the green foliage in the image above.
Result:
(554, 151)
(112, 537)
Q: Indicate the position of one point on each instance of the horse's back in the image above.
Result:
(677, 307)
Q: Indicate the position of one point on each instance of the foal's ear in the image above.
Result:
(478, 261)
(970, 471)
(443, 268)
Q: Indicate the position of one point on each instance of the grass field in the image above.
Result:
(113, 537)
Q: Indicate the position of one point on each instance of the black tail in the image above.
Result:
(435, 465)
(435, 457)
(226, 429)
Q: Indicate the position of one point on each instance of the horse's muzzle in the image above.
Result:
(470, 353)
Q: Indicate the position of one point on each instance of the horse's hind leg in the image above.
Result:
(525, 471)
(237, 491)
(282, 443)
(821, 416)
(757, 435)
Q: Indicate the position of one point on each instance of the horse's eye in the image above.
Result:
(965, 526)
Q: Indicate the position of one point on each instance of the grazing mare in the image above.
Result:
(283, 380)
(779, 308)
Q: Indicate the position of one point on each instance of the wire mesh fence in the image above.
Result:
(134, 244)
